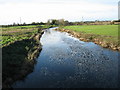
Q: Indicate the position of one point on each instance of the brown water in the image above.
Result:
(66, 62)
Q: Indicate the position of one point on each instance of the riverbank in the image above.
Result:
(18, 59)
(104, 41)
(15, 33)
(65, 62)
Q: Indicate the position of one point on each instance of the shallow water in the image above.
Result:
(66, 62)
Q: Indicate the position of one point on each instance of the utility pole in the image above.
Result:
(82, 19)
(20, 20)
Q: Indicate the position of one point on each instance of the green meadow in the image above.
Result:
(15, 33)
(107, 33)
(107, 30)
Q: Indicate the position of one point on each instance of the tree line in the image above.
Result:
(57, 22)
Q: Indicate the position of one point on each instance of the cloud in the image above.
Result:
(42, 10)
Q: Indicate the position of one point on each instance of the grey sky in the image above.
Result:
(42, 10)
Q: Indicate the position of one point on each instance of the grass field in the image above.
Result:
(109, 30)
(11, 34)
(106, 34)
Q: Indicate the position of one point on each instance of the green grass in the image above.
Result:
(30, 26)
(11, 35)
(15, 33)
(107, 30)
(18, 52)
(105, 33)
(19, 27)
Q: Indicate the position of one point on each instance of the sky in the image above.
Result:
(72, 10)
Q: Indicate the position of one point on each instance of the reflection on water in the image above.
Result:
(66, 62)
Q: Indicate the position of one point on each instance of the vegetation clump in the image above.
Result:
(19, 53)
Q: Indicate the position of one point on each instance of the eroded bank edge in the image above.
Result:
(32, 55)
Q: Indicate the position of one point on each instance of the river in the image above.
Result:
(66, 62)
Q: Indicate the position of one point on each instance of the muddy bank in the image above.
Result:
(18, 59)
(97, 39)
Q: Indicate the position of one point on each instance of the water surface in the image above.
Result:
(66, 62)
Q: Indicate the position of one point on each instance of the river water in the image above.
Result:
(66, 62)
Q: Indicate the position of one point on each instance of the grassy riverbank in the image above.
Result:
(15, 33)
(106, 30)
(104, 35)
(20, 47)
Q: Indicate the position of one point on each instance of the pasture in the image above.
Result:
(107, 30)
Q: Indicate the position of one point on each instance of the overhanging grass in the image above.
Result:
(18, 53)
(16, 60)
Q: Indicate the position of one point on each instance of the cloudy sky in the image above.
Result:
(42, 10)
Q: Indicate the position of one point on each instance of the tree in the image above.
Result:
(14, 24)
(48, 22)
(61, 22)
(53, 22)
(24, 24)
(33, 23)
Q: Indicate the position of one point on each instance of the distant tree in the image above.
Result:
(24, 24)
(37, 23)
(54, 22)
(41, 23)
(18, 24)
(33, 23)
(48, 22)
(66, 23)
(61, 22)
(14, 24)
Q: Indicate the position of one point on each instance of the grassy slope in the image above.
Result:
(108, 33)
(19, 50)
(11, 34)
(109, 30)
(17, 60)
